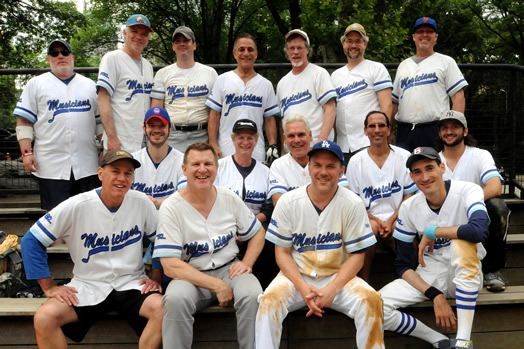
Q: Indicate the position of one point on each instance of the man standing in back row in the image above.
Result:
(307, 89)
(182, 89)
(125, 80)
(423, 86)
(59, 110)
(362, 85)
(242, 94)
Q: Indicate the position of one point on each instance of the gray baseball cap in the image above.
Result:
(185, 31)
(453, 115)
(117, 154)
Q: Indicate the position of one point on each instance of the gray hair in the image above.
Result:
(308, 47)
(296, 117)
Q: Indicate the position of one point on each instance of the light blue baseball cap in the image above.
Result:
(138, 19)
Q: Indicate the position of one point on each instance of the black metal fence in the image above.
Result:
(494, 108)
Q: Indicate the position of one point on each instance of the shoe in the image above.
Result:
(461, 344)
(442, 344)
(495, 282)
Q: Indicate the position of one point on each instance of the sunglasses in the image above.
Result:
(55, 53)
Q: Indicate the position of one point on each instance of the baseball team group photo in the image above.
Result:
(176, 189)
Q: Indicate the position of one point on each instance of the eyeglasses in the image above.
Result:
(376, 125)
(55, 53)
(356, 42)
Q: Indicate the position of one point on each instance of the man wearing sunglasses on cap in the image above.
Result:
(59, 111)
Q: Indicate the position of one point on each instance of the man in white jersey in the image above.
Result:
(362, 85)
(307, 89)
(291, 170)
(242, 94)
(451, 220)
(196, 235)
(320, 232)
(104, 230)
(378, 174)
(465, 162)
(60, 111)
(161, 172)
(125, 81)
(182, 89)
(423, 86)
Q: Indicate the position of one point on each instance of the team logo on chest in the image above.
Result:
(247, 100)
(71, 106)
(296, 98)
(96, 244)
(136, 88)
(351, 88)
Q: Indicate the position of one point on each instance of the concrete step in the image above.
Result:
(497, 324)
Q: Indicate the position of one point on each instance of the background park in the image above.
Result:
(484, 37)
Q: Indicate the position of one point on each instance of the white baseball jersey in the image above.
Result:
(65, 119)
(185, 91)
(256, 183)
(475, 165)
(415, 215)
(287, 174)
(105, 246)
(234, 99)
(159, 180)
(204, 243)
(356, 96)
(130, 89)
(306, 94)
(422, 90)
(381, 189)
(320, 243)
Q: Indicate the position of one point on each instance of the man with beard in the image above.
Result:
(467, 163)
(161, 172)
(307, 88)
(362, 85)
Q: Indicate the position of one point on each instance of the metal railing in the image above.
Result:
(494, 108)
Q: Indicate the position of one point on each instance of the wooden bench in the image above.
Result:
(497, 321)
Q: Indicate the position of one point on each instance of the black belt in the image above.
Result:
(190, 127)
(420, 124)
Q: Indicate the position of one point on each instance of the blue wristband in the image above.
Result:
(430, 232)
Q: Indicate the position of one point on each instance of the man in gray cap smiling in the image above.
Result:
(465, 162)
(182, 89)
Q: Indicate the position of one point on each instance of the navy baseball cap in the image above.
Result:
(138, 19)
(422, 152)
(58, 41)
(425, 21)
(157, 112)
(328, 146)
(245, 124)
(118, 154)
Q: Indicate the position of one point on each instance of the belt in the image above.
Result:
(190, 127)
(420, 124)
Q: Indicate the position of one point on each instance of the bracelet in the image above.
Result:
(432, 292)
(27, 154)
(430, 232)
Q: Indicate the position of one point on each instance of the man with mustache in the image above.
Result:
(307, 89)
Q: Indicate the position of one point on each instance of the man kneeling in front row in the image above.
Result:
(320, 234)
